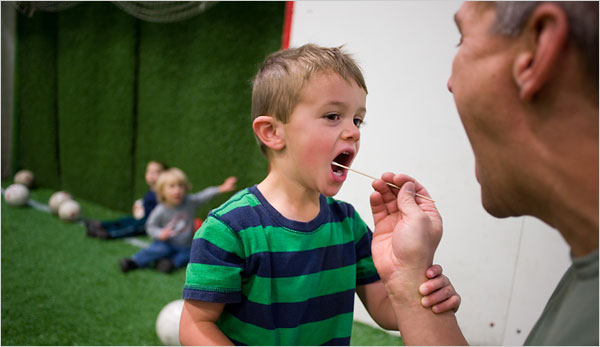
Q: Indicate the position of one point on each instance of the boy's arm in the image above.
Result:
(375, 298)
(228, 185)
(439, 294)
(198, 327)
(204, 195)
(406, 235)
(153, 227)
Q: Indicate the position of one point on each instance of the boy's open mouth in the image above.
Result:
(343, 158)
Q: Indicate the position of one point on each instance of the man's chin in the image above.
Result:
(493, 207)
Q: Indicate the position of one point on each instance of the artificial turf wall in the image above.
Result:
(100, 93)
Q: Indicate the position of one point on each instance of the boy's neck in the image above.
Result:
(290, 198)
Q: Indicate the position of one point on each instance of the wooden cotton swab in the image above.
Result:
(374, 178)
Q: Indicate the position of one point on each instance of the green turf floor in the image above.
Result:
(60, 287)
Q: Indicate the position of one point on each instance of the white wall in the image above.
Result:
(505, 270)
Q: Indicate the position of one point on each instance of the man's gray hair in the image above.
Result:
(511, 17)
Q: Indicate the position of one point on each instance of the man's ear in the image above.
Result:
(270, 131)
(548, 29)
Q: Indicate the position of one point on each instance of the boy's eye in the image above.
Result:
(358, 122)
(332, 116)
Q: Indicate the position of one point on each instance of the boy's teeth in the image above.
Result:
(337, 173)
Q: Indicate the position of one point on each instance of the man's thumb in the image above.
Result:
(406, 199)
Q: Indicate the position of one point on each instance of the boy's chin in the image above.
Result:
(174, 202)
(331, 191)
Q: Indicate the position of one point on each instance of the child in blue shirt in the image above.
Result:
(130, 225)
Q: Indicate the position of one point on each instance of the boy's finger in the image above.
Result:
(434, 271)
(452, 304)
(438, 296)
(434, 284)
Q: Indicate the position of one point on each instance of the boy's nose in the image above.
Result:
(351, 132)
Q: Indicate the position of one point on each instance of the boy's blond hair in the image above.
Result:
(170, 175)
(278, 83)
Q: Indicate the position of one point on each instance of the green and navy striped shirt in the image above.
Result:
(284, 282)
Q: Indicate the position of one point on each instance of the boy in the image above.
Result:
(171, 223)
(279, 263)
(130, 225)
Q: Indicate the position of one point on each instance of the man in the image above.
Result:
(525, 82)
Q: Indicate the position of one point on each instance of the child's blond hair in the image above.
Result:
(278, 83)
(171, 175)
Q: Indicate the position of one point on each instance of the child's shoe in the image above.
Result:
(165, 265)
(91, 223)
(100, 232)
(127, 264)
(90, 227)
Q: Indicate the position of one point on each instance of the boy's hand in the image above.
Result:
(439, 292)
(228, 185)
(138, 209)
(166, 233)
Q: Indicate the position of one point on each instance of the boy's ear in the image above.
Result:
(547, 30)
(270, 131)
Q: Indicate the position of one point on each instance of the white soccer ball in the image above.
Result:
(57, 199)
(69, 210)
(24, 177)
(167, 323)
(16, 194)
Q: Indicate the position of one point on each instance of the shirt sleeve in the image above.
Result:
(214, 273)
(203, 196)
(365, 268)
(153, 225)
(150, 202)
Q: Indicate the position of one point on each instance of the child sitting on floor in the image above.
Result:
(171, 223)
(130, 225)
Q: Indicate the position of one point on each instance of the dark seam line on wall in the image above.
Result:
(56, 108)
(134, 130)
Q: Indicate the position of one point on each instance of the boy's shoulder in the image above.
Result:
(241, 199)
(339, 206)
(241, 211)
(248, 209)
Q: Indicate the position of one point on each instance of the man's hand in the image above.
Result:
(408, 228)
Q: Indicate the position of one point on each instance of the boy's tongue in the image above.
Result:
(337, 170)
(340, 159)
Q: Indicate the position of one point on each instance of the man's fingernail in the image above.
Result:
(410, 188)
